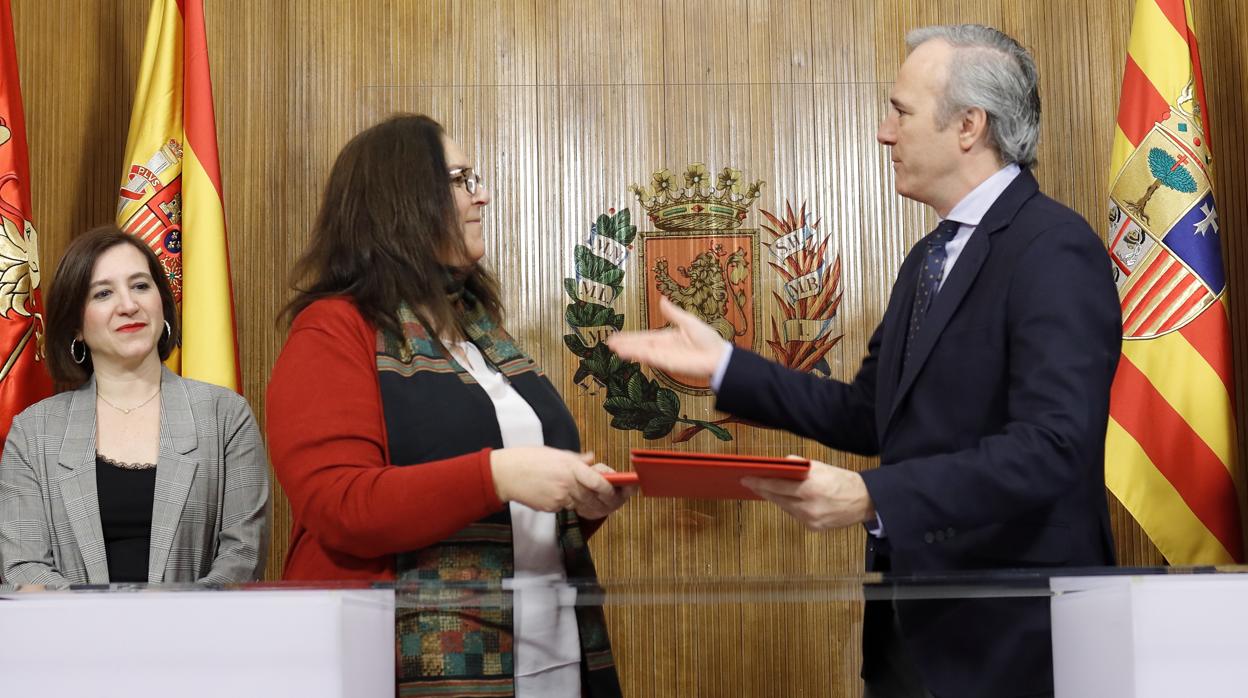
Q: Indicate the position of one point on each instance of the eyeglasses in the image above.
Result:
(466, 178)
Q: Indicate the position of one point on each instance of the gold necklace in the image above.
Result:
(124, 410)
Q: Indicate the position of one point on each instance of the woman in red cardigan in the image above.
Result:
(417, 442)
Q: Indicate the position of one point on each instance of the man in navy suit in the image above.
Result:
(985, 389)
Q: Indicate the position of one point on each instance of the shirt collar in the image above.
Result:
(971, 209)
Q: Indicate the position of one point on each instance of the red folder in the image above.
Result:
(703, 475)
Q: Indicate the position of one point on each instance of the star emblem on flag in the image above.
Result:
(1209, 221)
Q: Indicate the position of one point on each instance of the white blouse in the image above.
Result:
(547, 643)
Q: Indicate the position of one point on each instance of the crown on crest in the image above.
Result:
(698, 205)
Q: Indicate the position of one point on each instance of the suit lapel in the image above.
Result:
(77, 483)
(175, 470)
(893, 339)
(943, 306)
(958, 284)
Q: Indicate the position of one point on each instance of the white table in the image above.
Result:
(307, 643)
(1151, 636)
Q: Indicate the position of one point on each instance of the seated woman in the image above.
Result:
(134, 475)
(417, 441)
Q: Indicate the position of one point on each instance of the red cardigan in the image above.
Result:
(353, 508)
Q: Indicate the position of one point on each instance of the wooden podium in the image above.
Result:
(152, 642)
(1150, 636)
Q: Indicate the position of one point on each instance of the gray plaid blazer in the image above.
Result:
(211, 508)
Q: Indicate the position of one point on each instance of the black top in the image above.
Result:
(126, 495)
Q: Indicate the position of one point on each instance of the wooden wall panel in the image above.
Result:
(564, 103)
(78, 63)
(248, 48)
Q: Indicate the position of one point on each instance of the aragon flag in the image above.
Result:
(171, 188)
(1171, 450)
(24, 378)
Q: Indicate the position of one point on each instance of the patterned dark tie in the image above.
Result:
(929, 278)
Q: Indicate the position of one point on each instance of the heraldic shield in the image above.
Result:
(699, 259)
(152, 209)
(711, 274)
(703, 261)
(1164, 240)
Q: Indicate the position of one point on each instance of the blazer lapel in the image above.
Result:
(896, 323)
(175, 470)
(77, 483)
(943, 306)
(960, 280)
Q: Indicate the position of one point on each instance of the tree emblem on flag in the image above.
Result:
(704, 262)
(1168, 171)
(1167, 269)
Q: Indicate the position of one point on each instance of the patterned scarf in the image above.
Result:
(457, 641)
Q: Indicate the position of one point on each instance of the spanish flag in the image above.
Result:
(1171, 451)
(23, 377)
(171, 188)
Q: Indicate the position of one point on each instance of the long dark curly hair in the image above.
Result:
(386, 221)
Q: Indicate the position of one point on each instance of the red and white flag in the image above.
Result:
(24, 378)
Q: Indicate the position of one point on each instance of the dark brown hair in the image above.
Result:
(387, 218)
(67, 299)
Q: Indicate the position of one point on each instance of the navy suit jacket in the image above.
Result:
(991, 438)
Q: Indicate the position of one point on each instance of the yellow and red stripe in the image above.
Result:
(210, 344)
(1171, 454)
(173, 104)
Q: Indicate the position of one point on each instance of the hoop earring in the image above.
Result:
(168, 331)
(74, 354)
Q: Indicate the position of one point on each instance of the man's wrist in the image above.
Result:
(717, 376)
(866, 507)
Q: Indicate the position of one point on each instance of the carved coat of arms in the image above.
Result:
(700, 259)
(703, 260)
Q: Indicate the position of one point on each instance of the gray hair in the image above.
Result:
(991, 71)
